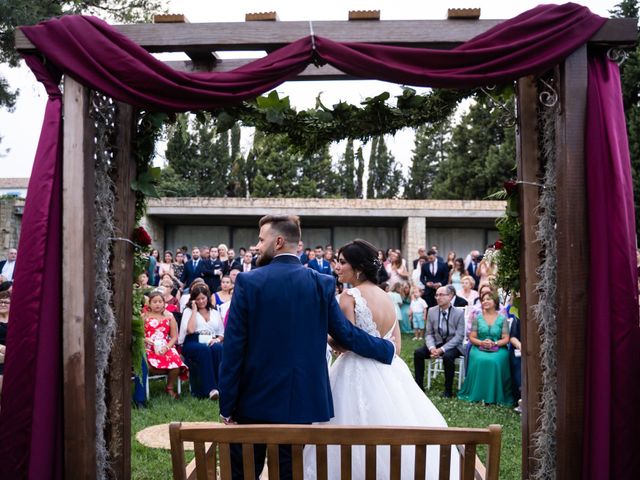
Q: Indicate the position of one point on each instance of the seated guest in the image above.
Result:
(488, 375)
(222, 298)
(515, 356)
(5, 304)
(201, 336)
(234, 273)
(184, 298)
(456, 301)
(445, 333)
(467, 292)
(171, 293)
(160, 337)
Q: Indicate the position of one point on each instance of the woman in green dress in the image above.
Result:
(488, 375)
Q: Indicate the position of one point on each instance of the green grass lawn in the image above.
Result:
(152, 464)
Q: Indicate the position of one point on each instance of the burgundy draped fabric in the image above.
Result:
(612, 397)
(31, 415)
(101, 58)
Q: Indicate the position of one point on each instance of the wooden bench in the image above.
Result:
(205, 463)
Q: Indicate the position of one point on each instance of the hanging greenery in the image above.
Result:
(508, 246)
(312, 129)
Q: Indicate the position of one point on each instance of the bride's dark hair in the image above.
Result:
(363, 257)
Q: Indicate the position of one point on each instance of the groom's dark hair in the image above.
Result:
(286, 225)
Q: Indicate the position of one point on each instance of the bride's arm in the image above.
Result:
(348, 307)
(397, 338)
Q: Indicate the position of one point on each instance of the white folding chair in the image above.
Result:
(435, 367)
(158, 377)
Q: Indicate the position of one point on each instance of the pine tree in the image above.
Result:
(360, 174)
(371, 180)
(346, 171)
(480, 156)
(388, 176)
(237, 182)
(427, 156)
(277, 167)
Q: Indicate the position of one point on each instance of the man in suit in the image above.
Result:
(456, 301)
(212, 270)
(300, 252)
(472, 266)
(192, 269)
(7, 266)
(247, 263)
(233, 260)
(274, 367)
(434, 274)
(445, 334)
(319, 264)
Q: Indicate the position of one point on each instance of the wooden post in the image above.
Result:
(529, 170)
(78, 280)
(573, 263)
(118, 428)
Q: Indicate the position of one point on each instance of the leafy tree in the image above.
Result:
(480, 156)
(630, 80)
(14, 13)
(428, 153)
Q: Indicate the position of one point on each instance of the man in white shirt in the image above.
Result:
(7, 266)
(247, 262)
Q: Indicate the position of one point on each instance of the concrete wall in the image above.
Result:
(10, 223)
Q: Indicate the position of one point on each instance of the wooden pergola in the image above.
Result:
(200, 42)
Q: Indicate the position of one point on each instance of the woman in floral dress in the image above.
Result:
(160, 336)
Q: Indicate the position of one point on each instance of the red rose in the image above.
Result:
(510, 186)
(498, 245)
(141, 237)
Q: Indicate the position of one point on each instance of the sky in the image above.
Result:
(20, 129)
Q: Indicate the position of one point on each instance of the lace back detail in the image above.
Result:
(364, 317)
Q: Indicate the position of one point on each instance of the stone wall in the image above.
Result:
(10, 223)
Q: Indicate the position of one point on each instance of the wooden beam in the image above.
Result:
(529, 170)
(118, 429)
(267, 36)
(326, 72)
(78, 279)
(573, 265)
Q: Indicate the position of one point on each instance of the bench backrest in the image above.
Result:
(216, 434)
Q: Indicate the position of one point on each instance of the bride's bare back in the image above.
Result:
(382, 310)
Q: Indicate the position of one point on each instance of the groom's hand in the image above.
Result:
(335, 346)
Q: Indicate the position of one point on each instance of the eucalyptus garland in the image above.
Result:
(312, 129)
(508, 246)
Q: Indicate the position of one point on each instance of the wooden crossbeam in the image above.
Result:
(267, 36)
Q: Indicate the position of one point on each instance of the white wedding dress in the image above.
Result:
(367, 392)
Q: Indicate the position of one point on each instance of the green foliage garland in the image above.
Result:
(310, 130)
(508, 247)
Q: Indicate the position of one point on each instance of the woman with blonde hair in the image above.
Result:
(396, 269)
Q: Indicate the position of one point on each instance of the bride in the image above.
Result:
(366, 392)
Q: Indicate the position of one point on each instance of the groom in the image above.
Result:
(274, 367)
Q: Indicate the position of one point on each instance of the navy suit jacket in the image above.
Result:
(441, 277)
(189, 274)
(274, 365)
(326, 268)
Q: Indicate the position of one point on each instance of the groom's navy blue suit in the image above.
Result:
(274, 367)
